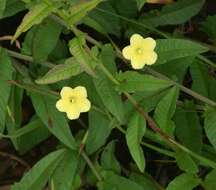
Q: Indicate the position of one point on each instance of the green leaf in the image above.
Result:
(188, 128)
(200, 77)
(210, 125)
(128, 9)
(115, 182)
(135, 132)
(109, 96)
(140, 4)
(6, 72)
(165, 111)
(61, 72)
(175, 13)
(110, 24)
(210, 182)
(14, 118)
(209, 27)
(132, 81)
(108, 159)
(82, 57)
(64, 175)
(144, 180)
(98, 132)
(45, 39)
(185, 162)
(34, 16)
(183, 181)
(13, 7)
(2, 7)
(77, 12)
(170, 49)
(53, 119)
(34, 133)
(38, 176)
(176, 68)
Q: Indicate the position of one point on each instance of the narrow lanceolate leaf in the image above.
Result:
(170, 49)
(2, 7)
(188, 129)
(132, 81)
(109, 96)
(200, 77)
(81, 56)
(45, 39)
(175, 13)
(34, 16)
(61, 72)
(64, 174)
(38, 176)
(210, 125)
(115, 182)
(140, 4)
(183, 181)
(135, 132)
(185, 162)
(210, 182)
(165, 111)
(108, 159)
(5, 75)
(53, 119)
(99, 130)
(209, 27)
(77, 12)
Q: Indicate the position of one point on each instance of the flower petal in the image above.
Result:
(66, 92)
(149, 44)
(62, 105)
(80, 92)
(151, 58)
(127, 52)
(136, 39)
(73, 114)
(137, 62)
(84, 105)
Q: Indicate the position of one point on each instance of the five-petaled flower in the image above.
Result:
(73, 101)
(140, 51)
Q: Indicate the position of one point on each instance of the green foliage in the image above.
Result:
(108, 160)
(34, 16)
(6, 71)
(209, 125)
(97, 136)
(132, 81)
(176, 13)
(61, 72)
(144, 127)
(113, 181)
(37, 178)
(209, 28)
(170, 49)
(183, 181)
(66, 169)
(45, 39)
(54, 120)
(165, 111)
(135, 132)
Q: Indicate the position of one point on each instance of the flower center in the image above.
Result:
(139, 50)
(72, 99)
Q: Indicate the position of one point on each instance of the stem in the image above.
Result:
(183, 88)
(28, 58)
(91, 166)
(13, 157)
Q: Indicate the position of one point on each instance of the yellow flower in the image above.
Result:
(73, 101)
(140, 51)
